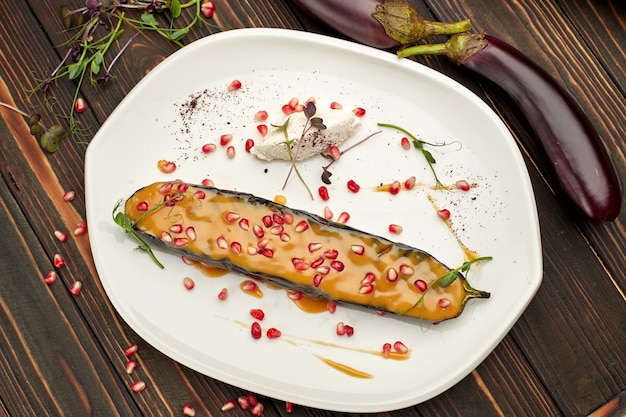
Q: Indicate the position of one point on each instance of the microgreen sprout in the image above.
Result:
(448, 278)
(419, 145)
(326, 174)
(311, 123)
(49, 139)
(95, 27)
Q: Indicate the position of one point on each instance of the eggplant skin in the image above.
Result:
(352, 18)
(296, 250)
(579, 159)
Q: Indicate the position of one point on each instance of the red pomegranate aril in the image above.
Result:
(249, 144)
(130, 366)
(400, 347)
(257, 313)
(343, 218)
(337, 265)
(167, 167)
(208, 148)
(225, 139)
(289, 407)
(366, 289)
(60, 235)
(353, 186)
(443, 303)
(69, 196)
(444, 214)
(392, 275)
(255, 330)
(349, 330)
(234, 85)
(263, 243)
(278, 219)
(323, 270)
(208, 9)
(317, 262)
(334, 152)
(176, 228)
(300, 265)
(288, 218)
(406, 270)
(243, 401)
(230, 152)
(222, 243)
(331, 306)
(396, 229)
(257, 410)
(277, 230)
(131, 350)
(180, 241)
(394, 188)
(50, 278)
(244, 224)
(229, 405)
(287, 109)
(188, 410)
(359, 112)
(258, 231)
(267, 221)
(165, 237)
(462, 185)
(223, 294)
(301, 226)
(267, 252)
(187, 261)
(166, 188)
(421, 285)
(328, 213)
(357, 249)
(191, 233)
(317, 280)
(340, 329)
(386, 350)
(80, 105)
(260, 116)
(294, 295)
(284, 237)
(252, 250)
(262, 129)
(323, 193)
(189, 283)
(331, 253)
(336, 106)
(409, 183)
(314, 246)
(138, 386)
(273, 333)
(76, 288)
(81, 228)
(207, 182)
(142, 206)
(58, 260)
(369, 278)
(200, 195)
(406, 143)
(231, 217)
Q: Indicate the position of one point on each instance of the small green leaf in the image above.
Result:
(149, 20)
(175, 8)
(94, 67)
(75, 70)
(429, 156)
(178, 34)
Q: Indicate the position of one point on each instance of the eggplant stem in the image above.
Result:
(458, 48)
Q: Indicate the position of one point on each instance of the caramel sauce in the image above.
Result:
(280, 199)
(219, 237)
(251, 288)
(468, 253)
(348, 370)
(311, 304)
(210, 271)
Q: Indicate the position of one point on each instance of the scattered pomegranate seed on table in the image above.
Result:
(131, 350)
(80, 105)
(130, 366)
(50, 278)
(58, 260)
(359, 112)
(409, 183)
(188, 410)
(394, 188)
(400, 347)
(386, 349)
(207, 9)
(229, 405)
(336, 106)
(334, 152)
(138, 386)
(76, 288)
(223, 294)
(69, 196)
(60, 235)
(343, 217)
(262, 129)
(273, 333)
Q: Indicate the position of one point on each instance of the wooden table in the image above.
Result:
(63, 354)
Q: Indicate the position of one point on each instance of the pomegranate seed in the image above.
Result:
(131, 350)
(353, 186)
(337, 265)
(244, 224)
(444, 214)
(277, 230)
(180, 241)
(287, 109)
(207, 182)
(208, 148)
(406, 270)
(257, 410)
(69, 196)
(289, 407)
(208, 9)
(230, 152)
(81, 228)
(444, 303)
(267, 252)
(188, 283)
(366, 289)
(263, 243)
(357, 249)
(191, 233)
(60, 235)
(249, 144)
(142, 206)
(317, 262)
(394, 188)
(234, 85)
(406, 144)
(165, 237)
(249, 286)
(166, 167)
(50, 278)
(386, 349)
(200, 195)
(262, 129)
(369, 278)
(252, 250)
(260, 116)
(396, 229)
(341, 329)
(328, 213)
(421, 285)
(323, 270)
(336, 106)
(334, 152)
(225, 139)
(222, 243)
(229, 405)
(294, 295)
(331, 306)
(58, 260)
(130, 366)
(288, 218)
(257, 313)
(323, 192)
(258, 231)
(400, 347)
(343, 217)
(166, 188)
(187, 261)
(293, 103)
(301, 226)
(462, 185)
(392, 275)
(182, 187)
(223, 294)
(409, 183)
(243, 401)
(252, 398)
(176, 228)
(255, 330)
(231, 217)
(278, 219)
(268, 221)
(273, 333)
(349, 330)
(313, 247)
(331, 254)
(138, 386)
(80, 105)
(359, 112)
(284, 237)
(188, 410)
(317, 280)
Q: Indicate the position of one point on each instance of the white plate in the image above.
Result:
(497, 218)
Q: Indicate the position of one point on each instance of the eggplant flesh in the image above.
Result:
(296, 250)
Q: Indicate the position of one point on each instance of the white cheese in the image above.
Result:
(340, 126)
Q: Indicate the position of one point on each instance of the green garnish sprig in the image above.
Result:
(50, 138)
(448, 278)
(311, 123)
(419, 145)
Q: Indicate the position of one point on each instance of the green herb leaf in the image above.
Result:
(178, 34)
(149, 20)
(175, 8)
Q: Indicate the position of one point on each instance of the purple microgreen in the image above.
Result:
(326, 174)
(288, 142)
(49, 139)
